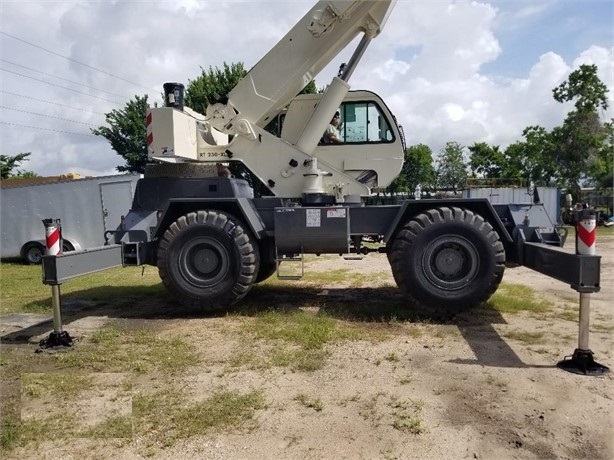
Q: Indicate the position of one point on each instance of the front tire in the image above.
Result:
(208, 259)
(448, 258)
(266, 270)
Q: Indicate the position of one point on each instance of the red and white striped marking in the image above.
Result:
(149, 130)
(587, 235)
(52, 234)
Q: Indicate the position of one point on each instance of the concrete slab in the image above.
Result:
(23, 320)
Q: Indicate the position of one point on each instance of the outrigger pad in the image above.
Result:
(582, 362)
(57, 339)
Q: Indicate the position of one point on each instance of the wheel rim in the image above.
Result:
(34, 254)
(204, 262)
(451, 262)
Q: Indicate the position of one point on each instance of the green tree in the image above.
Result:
(451, 167)
(602, 166)
(212, 86)
(532, 160)
(579, 140)
(486, 161)
(127, 132)
(9, 162)
(576, 145)
(514, 161)
(539, 157)
(585, 87)
(417, 170)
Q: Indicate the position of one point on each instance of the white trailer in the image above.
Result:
(87, 208)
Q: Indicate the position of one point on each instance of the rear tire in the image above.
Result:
(208, 259)
(448, 258)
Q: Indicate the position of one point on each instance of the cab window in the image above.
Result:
(363, 122)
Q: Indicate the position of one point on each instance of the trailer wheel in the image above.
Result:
(33, 253)
(207, 259)
(448, 258)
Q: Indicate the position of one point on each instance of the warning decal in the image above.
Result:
(312, 218)
(338, 212)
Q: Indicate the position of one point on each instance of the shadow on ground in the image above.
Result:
(382, 305)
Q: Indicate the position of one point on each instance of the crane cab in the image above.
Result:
(372, 151)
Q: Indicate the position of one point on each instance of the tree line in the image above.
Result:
(577, 153)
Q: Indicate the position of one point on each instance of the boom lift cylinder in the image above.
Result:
(317, 124)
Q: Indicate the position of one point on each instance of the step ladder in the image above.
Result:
(290, 261)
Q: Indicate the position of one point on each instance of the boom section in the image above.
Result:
(305, 50)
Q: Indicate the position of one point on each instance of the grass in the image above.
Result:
(569, 314)
(305, 329)
(347, 276)
(301, 360)
(495, 381)
(60, 386)
(601, 328)
(313, 403)
(530, 338)
(116, 349)
(56, 405)
(406, 416)
(299, 339)
(59, 427)
(392, 357)
(168, 416)
(10, 434)
(222, 410)
(514, 298)
(118, 426)
(163, 418)
(23, 291)
(401, 414)
(64, 427)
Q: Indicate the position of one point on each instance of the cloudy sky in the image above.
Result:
(465, 71)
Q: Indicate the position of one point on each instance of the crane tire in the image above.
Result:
(449, 259)
(207, 259)
(267, 269)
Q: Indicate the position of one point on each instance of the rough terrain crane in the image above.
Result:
(212, 238)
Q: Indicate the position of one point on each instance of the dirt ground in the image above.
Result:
(477, 387)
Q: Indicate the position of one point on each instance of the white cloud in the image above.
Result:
(391, 69)
(532, 10)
